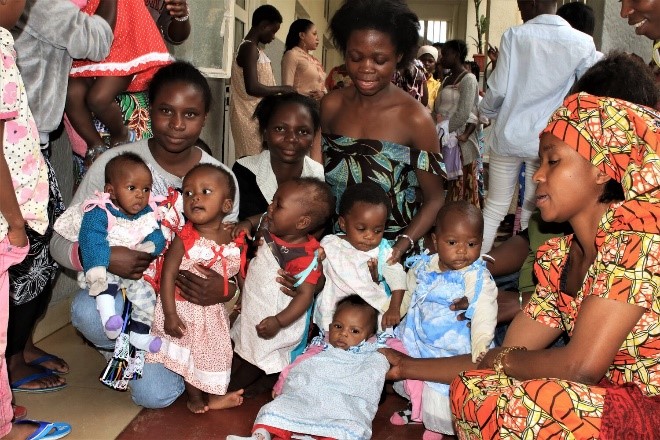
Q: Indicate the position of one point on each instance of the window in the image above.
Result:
(210, 45)
(433, 31)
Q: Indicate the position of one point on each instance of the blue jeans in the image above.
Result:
(158, 387)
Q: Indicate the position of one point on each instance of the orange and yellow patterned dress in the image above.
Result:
(622, 140)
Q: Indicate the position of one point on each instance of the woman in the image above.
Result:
(456, 104)
(252, 79)
(288, 123)
(428, 56)
(299, 67)
(602, 280)
(374, 131)
(645, 17)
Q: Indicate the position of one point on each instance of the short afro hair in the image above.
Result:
(269, 105)
(356, 301)
(118, 162)
(319, 200)
(267, 13)
(231, 184)
(467, 212)
(613, 77)
(366, 192)
(392, 17)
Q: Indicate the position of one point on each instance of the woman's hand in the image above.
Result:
(488, 359)
(287, 281)
(268, 328)
(128, 263)
(203, 291)
(399, 249)
(395, 358)
(390, 318)
(174, 326)
(493, 53)
(176, 8)
(240, 227)
(17, 236)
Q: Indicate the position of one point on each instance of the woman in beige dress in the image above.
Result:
(300, 69)
(252, 79)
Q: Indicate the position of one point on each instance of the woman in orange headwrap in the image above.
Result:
(600, 171)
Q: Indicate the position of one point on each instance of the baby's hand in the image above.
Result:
(390, 318)
(174, 326)
(268, 328)
(373, 270)
(243, 226)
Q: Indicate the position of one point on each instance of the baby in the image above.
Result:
(120, 216)
(333, 389)
(430, 329)
(272, 327)
(352, 258)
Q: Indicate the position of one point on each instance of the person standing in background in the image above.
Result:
(251, 79)
(538, 63)
(300, 69)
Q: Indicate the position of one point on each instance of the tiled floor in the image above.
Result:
(96, 412)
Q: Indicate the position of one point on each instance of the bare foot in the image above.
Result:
(229, 400)
(196, 401)
(197, 406)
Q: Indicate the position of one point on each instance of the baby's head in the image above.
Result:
(300, 207)
(363, 213)
(459, 230)
(128, 181)
(208, 194)
(288, 123)
(354, 321)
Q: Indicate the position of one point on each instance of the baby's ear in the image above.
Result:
(227, 206)
(304, 221)
(109, 189)
(342, 223)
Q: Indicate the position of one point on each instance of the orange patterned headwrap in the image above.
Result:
(618, 137)
(621, 139)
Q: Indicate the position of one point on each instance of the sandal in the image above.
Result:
(16, 386)
(45, 358)
(47, 430)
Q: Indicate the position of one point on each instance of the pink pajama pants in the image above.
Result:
(9, 255)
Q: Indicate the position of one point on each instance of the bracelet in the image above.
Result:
(520, 299)
(410, 240)
(185, 17)
(498, 363)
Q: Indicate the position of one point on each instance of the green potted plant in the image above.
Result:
(482, 27)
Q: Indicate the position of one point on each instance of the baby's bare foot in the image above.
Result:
(197, 406)
(229, 400)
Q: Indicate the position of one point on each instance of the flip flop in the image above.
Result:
(15, 386)
(45, 358)
(46, 430)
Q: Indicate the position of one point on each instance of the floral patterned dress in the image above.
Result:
(392, 166)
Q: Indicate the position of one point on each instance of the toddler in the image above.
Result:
(120, 216)
(137, 52)
(272, 327)
(196, 341)
(361, 250)
(430, 329)
(333, 389)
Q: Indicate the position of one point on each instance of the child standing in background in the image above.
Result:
(196, 341)
(120, 216)
(23, 200)
(332, 390)
(431, 329)
(137, 52)
(272, 327)
(361, 250)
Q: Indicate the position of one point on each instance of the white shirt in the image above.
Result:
(538, 63)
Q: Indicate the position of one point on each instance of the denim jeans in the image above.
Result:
(158, 387)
